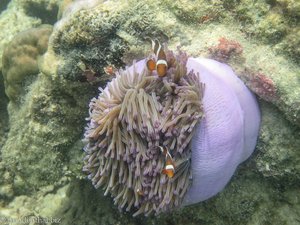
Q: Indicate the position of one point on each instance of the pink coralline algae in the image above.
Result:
(226, 49)
(263, 86)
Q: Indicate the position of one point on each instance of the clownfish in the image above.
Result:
(169, 169)
(160, 64)
(109, 70)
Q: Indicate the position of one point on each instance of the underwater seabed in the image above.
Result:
(49, 74)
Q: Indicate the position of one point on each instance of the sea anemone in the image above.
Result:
(207, 133)
(135, 115)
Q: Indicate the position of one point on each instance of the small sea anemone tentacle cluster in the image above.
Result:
(136, 114)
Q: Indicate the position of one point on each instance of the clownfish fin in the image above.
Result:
(155, 46)
(168, 155)
(169, 161)
(164, 150)
(161, 55)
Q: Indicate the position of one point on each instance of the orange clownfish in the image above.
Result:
(160, 64)
(110, 70)
(169, 169)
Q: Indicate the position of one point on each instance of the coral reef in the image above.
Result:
(290, 44)
(100, 43)
(19, 17)
(274, 22)
(263, 86)
(41, 143)
(3, 4)
(41, 113)
(225, 50)
(192, 13)
(37, 157)
(279, 160)
(5, 187)
(20, 60)
(279, 85)
(3, 112)
(63, 6)
(45, 10)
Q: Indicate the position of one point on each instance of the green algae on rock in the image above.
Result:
(100, 42)
(278, 159)
(273, 22)
(3, 112)
(45, 10)
(41, 130)
(37, 157)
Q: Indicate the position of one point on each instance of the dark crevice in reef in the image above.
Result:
(3, 4)
(48, 14)
(3, 113)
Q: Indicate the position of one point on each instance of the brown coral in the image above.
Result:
(261, 85)
(225, 49)
(20, 59)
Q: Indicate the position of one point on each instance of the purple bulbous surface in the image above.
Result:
(227, 135)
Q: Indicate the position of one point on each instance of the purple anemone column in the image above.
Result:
(227, 134)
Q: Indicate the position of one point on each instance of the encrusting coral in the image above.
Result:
(129, 121)
(20, 59)
(45, 10)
